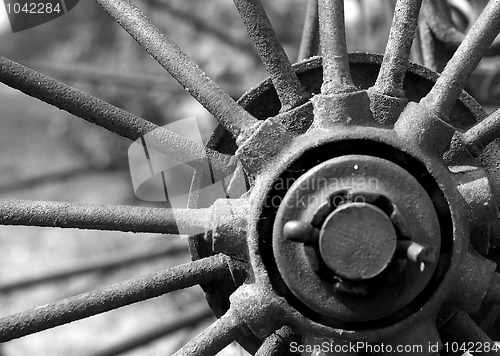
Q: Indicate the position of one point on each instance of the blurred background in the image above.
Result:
(47, 154)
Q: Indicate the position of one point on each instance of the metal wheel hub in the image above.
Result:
(343, 229)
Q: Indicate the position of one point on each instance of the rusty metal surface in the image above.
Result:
(273, 55)
(443, 95)
(465, 113)
(336, 76)
(213, 339)
(112, 118)
(278, 344)
(387, 94)
(393, 69)
(179, 65)
(432, 200)
(103, 217)
(479, 136)
(188, 319)
(115, 296)
(461, 328)
(437, 15)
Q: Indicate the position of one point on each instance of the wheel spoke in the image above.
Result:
(483, 133)
(393, 68)
(278, 343)
(192, 78)
(463, 329)
(72, 100)
(445, 92)
(309, 44)
(104, 217)
(188, 318)
(213, 339)
(110, 261)
(115, 296)
(203, 26)
(112, 118)
(336, 73)
(273, 55)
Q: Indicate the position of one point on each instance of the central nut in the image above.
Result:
(357, 241)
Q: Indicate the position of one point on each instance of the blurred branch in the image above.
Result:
(58, 177)
(222, 34)
(86, 73)
(82, 72)
(185, 319)
(121, 259)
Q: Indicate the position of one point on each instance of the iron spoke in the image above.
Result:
(104, 217)
(309, 44)
(213, 339)
(115, 296)
(445, 92)
(72, 100)
(336, 73)
(188, 318)
(278, 343)
(273, 55)
(393, 69)
(192, 78)
(110, 261)
(203, 26)
(483, 133)
(112, 118)
(464, 330)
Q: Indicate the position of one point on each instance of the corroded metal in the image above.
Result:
(387, 95)
(425, 139)
(217, 336)
(116, 296)
(187, 319)
(104, 217)
(464, 330)
(273, 55)
(336, 73)
(416, 224)
(437, 16)
(482, 134)
(112, 118)
(451, 82)
(393, 69)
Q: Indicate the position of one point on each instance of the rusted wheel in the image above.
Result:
(363, 195)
